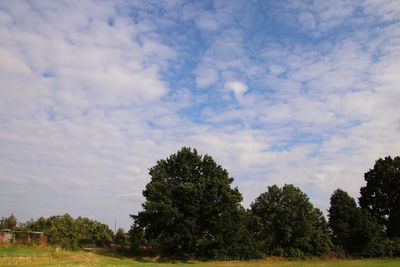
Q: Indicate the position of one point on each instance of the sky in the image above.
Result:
(93, 93)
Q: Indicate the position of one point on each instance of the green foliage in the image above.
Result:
(36, 225)
(191, 209)
(392, 247)
(287, 224)
(8, 223)
(93, 232)
(381, 195)
(343, 217)
(121, 238)
(62, 231)
(136, 237)
(70, 233)
(354, 230)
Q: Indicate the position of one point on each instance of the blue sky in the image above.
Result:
(93, 93)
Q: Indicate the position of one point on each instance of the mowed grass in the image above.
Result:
(49, 256)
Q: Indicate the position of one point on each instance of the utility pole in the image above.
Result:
(115, 226)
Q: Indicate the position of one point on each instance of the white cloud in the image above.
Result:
(237, 87)
(85, 106)
(337, 93)
(382, 10)
(80, 52)
(11, 64)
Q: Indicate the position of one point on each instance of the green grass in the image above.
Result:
(23, 251)
(48, 256)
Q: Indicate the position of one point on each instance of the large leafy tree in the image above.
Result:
(191, 210)
(61, 230)
(287, 224)
(381, 195)
(353, 229)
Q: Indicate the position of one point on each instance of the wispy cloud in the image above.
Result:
(93, 94)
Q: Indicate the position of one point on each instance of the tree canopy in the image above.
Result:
(353, 229)
(8, 223)
(288, 224)
(381, 195)
(70, 233)
(191, 209)
(121, 238)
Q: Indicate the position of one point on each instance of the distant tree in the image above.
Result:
(191, 210)
(61, 230)
(120, 238)
(36, 225)
(70, 233)
(8, 223)
(287, 224)
(381, 195)
(93, 232)
(64, 230)
(353, 229)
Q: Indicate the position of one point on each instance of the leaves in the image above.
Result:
(381, 195)
(288, 224)
(65, 231)
(190, 208)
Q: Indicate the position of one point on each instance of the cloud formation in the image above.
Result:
(94, 93)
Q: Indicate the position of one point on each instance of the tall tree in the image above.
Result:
(287, 224)
(381, 195)
(353, 229)
(191, 210)
(342, 213)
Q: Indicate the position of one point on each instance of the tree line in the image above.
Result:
(67, 232)
(191, 210)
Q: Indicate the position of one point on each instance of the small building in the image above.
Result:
(22, 237)
(6, 236)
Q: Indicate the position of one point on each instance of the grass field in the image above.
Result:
(48, 256)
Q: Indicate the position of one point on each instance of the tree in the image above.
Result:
(120, 238)
(191, 210)
(137, 239)
(381, 195)
(8, 223)
(287, 224)
(36, 225)
(353, 229)
(93, 232)
(342, 213)
(70, 233)
(61, 230)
